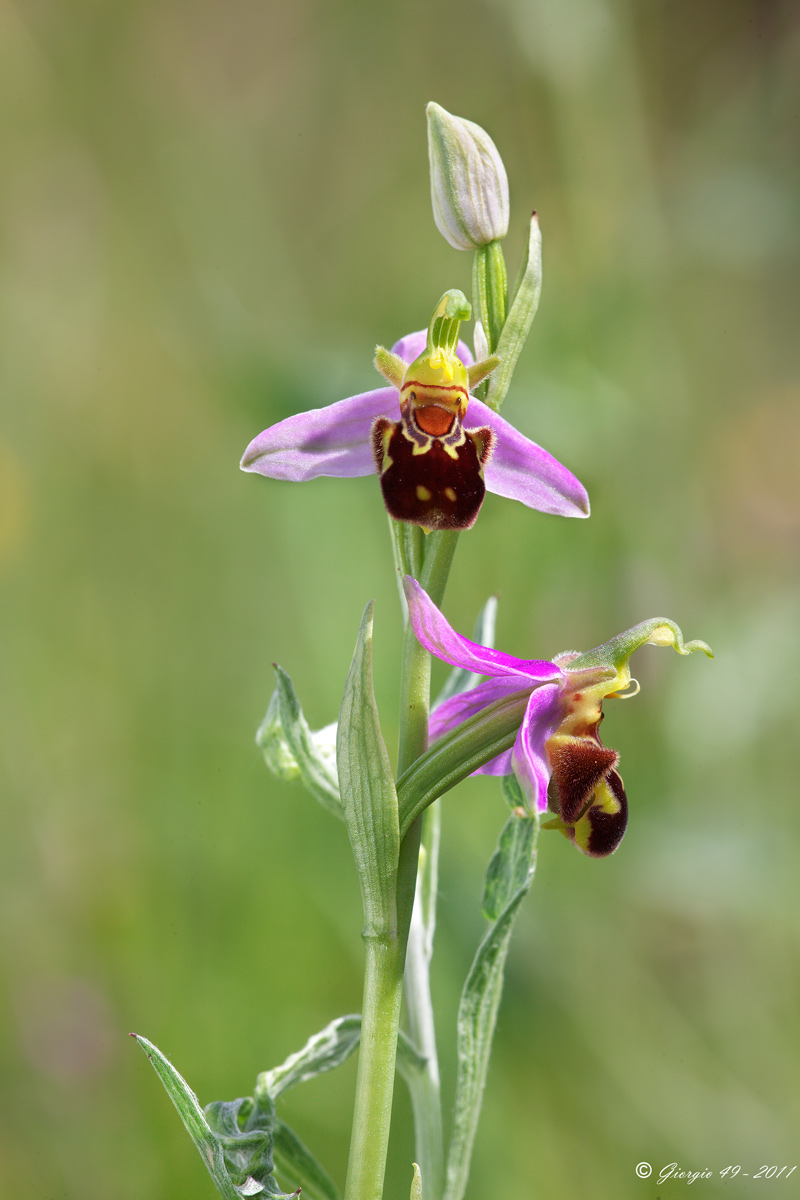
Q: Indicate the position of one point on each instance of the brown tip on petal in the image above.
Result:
(483, 439)
(382, 431)
(579, 765)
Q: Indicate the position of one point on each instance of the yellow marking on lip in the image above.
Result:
(450, 493)
(423, 493)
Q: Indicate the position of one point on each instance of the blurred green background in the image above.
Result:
(210, 213)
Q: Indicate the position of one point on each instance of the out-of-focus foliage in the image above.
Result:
(211, 212)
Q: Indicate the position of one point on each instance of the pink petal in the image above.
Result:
(323, 441)
(439, 638)
(502, 765)
(529, 758)
(521, 470)
(466, 704)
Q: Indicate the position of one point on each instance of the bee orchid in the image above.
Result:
(436, 448)
(558, 758)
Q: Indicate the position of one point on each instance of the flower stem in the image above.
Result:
(385, 949)
(490, 291)
(424, 1085)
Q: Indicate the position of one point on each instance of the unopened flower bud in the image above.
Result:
(469, 187)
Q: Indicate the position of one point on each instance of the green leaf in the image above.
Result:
(323, 1052)
(510, 865)
(513, 793)
(459, 679)
(523, 308)
(367, 790)
(292, 750)
(238, 1155)
(458, 753)
(508, 879)
(299, 1167)
(245, 1132)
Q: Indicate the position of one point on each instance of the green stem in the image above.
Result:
(429, 557)
(380, 1019)
(490, 291)
(424, 1085)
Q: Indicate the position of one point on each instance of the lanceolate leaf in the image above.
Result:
(367, 789)
(292, 750)
(325, 1050)
(238, 1157)
(458, 753)
(509, 877)
(523, 308)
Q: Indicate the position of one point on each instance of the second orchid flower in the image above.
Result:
(558, 757)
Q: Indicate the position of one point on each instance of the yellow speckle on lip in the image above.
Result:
(423, 493)
(451, 494)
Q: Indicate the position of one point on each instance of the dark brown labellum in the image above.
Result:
(578, 765)
(429, 480)
(607, 821)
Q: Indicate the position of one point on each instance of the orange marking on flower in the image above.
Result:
(434, 420)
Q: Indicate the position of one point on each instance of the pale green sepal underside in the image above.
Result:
(366, 786)
(508, 879)
(524, 304)
(293, 751)
(482, 370)
(390, 366)
(658, 631)
(239, 1160)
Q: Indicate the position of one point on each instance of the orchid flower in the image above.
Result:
(558, 758)
(435, 447)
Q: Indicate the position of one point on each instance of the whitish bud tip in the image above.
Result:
(469, 186)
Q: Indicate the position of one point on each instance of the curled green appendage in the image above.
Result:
(439, 364)
(452, 309)
(234, 1138)
(658, 631)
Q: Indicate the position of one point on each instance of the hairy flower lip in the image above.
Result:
(557, 737)
(336, 441)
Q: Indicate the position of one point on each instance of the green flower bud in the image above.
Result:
(469, 187)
